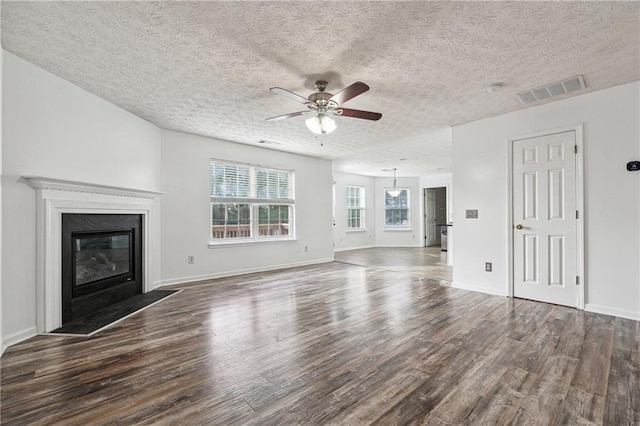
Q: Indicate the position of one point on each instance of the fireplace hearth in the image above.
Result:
(101, 261)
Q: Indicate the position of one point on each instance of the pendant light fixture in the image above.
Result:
(394, 192)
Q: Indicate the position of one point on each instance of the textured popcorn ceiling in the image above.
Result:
(206, 67)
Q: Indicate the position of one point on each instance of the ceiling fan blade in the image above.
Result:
(282, 117)
(357, 113)
(290, 95)
(350, 92)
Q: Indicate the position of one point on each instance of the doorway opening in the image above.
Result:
(435, 217)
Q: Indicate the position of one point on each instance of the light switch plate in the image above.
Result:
(472, 214)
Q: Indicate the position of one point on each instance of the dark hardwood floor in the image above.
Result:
(427, 262)
(332, 344)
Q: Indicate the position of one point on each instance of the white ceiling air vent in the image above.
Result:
(552, 89)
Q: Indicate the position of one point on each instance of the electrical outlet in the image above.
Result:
(488, 266)
(191, 260)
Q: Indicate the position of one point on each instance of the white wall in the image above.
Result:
(411, 237)
(57, 130)
(186, 211)
(350, 240)
(612, 195)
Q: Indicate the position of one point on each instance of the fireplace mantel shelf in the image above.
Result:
(38, 182)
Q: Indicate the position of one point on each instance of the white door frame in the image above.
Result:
(423, 212)
(577, 128)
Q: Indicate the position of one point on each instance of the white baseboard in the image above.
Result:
(336, 250)
(622, 313)
(399, 246)
(487, 290)
(353, 248)
(194, 278)
(18, 337)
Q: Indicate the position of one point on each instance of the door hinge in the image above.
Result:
(575, 149)
(577, 214)
(577, 280)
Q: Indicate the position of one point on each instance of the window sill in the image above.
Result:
(356, 230)
(251, 242)
(396, 229)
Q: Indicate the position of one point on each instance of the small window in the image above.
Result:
(355, 207)
(250, 203)
(396, 214)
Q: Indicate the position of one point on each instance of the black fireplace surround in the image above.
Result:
(101, 261)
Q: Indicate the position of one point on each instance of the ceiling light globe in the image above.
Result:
(328, 125)
(321, 124)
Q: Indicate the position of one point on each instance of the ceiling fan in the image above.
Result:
(322, 103)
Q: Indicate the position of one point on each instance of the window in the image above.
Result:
(250, 203)
(355, 207)
(396, 209)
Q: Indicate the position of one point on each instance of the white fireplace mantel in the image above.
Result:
(55, 197)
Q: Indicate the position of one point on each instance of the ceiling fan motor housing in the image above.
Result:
(321, 98)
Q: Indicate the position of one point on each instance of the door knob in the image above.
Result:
(518, 226)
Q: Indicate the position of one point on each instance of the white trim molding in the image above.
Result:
(615, 312)
(17, 337)
(40, 183)
(55, 197)
(206, 277)
(479, 289)
(340, 249)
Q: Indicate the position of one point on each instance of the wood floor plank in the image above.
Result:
(337, 343)
(622, 405)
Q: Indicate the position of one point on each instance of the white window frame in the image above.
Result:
(402, 227)
(360, 208)
(280, 191)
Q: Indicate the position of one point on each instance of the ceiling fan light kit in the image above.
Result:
(322, 103)
(321, 124)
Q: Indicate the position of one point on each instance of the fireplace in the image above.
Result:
(101, 261)
(55, 198)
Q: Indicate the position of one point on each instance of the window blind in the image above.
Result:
(242, 183)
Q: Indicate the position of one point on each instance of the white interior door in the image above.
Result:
(431, 231)
(544, 219)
